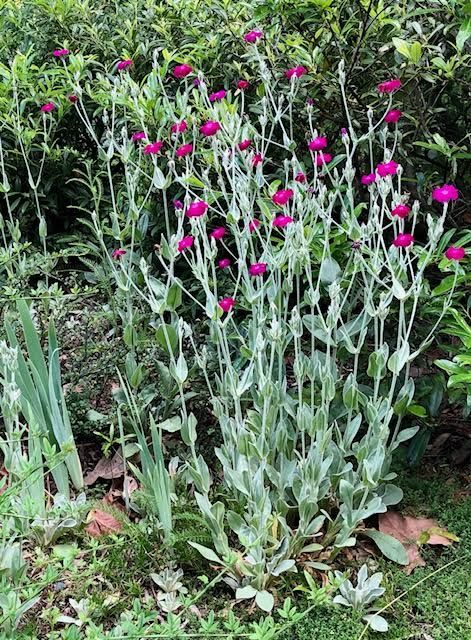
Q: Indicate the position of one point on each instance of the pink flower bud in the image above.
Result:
(253, 36)
(245, 144)
(393, 116)
(401, 211)
(257, 159)
(387, 168)
(455, 253)
(197, 209)
(282, 196)
(72, 98)
(403, 240)
(300, 177)
(179, 127)
(323, 158)
(227, 304)
(124, 64)
(139, 135)
(118, 253)
(445, 194)
(153, 147)
(178, 204)
(242, 84)
(185, 243)
(210, 128)
(254, 224)
(389, 86)
(218, 233)
(295, 72)
(282, 221)
(48, 107)
(182, 70)
(60, 53)
(317, 144)
(369, 178)
(217, 95)
(224, 263)
(184, 150)
(258, 268)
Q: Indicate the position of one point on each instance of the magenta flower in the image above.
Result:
(282, 196)
(217, 95)
(179, 127)
(322, 158)
(369, 178)
(197, 82)
(182, 70)
(197, 209)
(245, 144)
(257, 159)
(389, 86)
(445, 194)
(124, 64)
(184, 150)
(218, 233)
(343, 132)
(300, 177)
(317, 144)
(177, 204)
(401, 211)
(60, 53)
(139, 135)
(455, 253)
(282, 221)
(153, 147)
(224, 263)
(254, 224)
(393, 116)
(185, 243)
(242, 84)
(72, 98)
(48, 107)
(210, 128)
(387, 168)
(403, 240)
(253, 36)
(258, 268)
(118, 253)
(226, 304)
(295, 72)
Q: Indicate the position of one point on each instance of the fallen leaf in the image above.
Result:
(107, 469)
(101, 523)
(116, 495)
(413, 532)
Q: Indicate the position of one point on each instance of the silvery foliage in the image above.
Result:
(64, 514)
(362, 596)
(307, 447)
(170, 587)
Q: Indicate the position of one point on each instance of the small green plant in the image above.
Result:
(459, 369)
(362, 596)
(170, 588)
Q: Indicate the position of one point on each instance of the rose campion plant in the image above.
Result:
(306, 365)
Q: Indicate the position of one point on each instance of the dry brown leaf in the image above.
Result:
(101, 523)
(410, 531)
(116, 495)
(107, 469)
